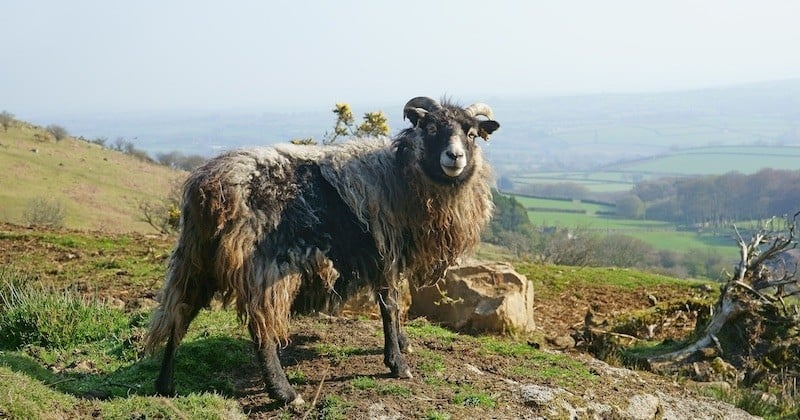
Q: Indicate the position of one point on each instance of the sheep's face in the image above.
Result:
(441, 141)
(448, 137)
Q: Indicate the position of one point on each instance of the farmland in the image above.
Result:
(599, 218)
(621, 176)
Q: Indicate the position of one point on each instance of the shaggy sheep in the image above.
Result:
(295, 228)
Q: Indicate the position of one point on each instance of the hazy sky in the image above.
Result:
(114, 56)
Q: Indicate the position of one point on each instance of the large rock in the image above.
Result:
(478, 298)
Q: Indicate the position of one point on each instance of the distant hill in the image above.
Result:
(99, 188)
(709, 160)
(553, 133)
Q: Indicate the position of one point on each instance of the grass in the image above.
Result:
(550, 280)
(660, 235)
(430, 363)
(94, 184)
(467, 396)
(436, 415)
(420, 328)
(338, 354)
(99, 262)
(538, 365)
(685, 161)
(333, 407)
(67, 355)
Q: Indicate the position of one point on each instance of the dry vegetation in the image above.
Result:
(98, 188)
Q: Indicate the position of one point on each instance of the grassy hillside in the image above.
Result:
(99, 188)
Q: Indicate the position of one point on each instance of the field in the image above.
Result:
(710, 160)
(596, 218)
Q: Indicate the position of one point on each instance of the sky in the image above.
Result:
(104, 56)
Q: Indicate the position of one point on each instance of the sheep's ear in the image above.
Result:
(414, 114)
(487, 127)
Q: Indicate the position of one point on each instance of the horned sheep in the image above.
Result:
(292, 228)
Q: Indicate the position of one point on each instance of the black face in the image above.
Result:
(449, 146)
(447, 135)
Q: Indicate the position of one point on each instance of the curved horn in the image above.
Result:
(480, 108)
(420, 102)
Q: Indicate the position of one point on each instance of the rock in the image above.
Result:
(539, 396)
(473, 369)
(478, 298)
(642, 407)
(378, 411)
(561, 342)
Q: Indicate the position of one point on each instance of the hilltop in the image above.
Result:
(99, 188)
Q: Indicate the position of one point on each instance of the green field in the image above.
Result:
(710, 160)
(660, 235)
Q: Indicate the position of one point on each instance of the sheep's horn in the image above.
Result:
(423, 102)
(480, 108)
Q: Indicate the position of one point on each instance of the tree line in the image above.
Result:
(716, 200)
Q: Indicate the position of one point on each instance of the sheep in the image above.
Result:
(295, 228)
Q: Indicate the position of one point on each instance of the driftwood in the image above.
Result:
(754, 325)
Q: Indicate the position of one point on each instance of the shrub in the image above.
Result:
(57, 131)
(42, 211)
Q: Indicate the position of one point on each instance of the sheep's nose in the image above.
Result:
(454, 155)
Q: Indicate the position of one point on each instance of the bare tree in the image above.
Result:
(57, 131)
(6, 119)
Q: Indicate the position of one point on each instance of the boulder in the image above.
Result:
(478, 298)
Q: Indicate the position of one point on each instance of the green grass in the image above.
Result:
(364, 383)
(420, 328)
(534, 364)
(468, 396)
(550, 280)
(718, 160)
(333, 407)
(338, 354)
(686, 161)
(436, 415)
(659, 235)
(59, 348)
(33, 316)
(97, 261)
(431, 363)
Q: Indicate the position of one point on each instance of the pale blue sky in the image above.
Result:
(112, 56)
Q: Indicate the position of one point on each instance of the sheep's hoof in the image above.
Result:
(298, 401)
(404, 374)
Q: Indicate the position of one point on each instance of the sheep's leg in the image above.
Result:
(165, 383)
(392, 357)
(274, 377)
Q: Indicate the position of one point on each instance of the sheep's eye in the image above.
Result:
(472, 133)
(432, 130)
